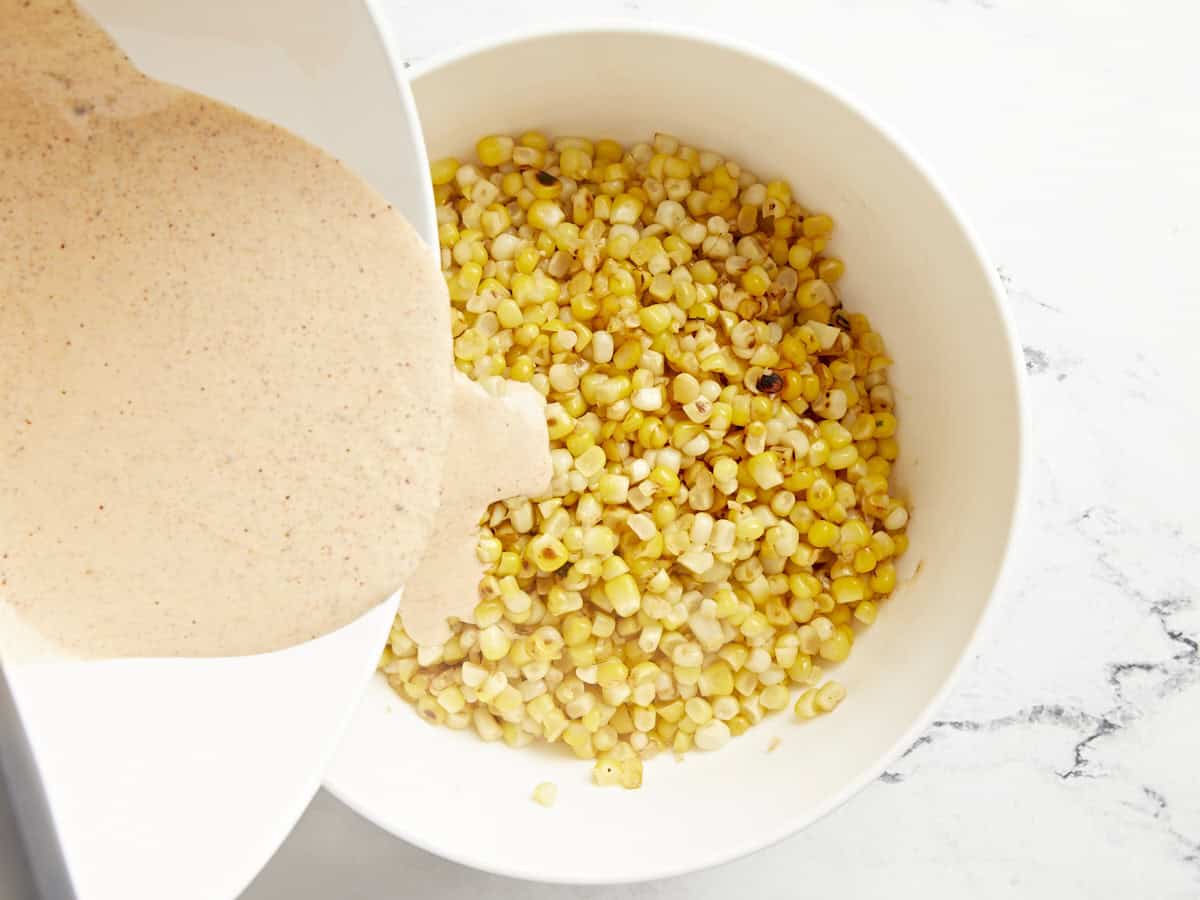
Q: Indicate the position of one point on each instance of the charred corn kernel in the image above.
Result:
(546, 552)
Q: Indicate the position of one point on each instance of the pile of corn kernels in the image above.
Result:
(722, 432)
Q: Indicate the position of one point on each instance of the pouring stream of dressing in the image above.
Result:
(505, 433)
(224, 369)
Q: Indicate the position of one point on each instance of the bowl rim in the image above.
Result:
(788, 825)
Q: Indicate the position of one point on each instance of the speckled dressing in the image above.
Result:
(224, 365)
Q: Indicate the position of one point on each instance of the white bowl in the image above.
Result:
(150, 778)
(915, 267)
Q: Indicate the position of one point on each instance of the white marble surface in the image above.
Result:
(1065, 764)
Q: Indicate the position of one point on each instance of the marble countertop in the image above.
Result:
(1065, 763)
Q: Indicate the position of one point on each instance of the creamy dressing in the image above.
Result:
(499, 448)
(224, 372)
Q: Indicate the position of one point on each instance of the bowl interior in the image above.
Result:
(913, 268)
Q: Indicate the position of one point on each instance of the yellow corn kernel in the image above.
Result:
(764, 469)
(884, 579)
(443, 170)
(544, 214)
(836, 647)
(494, 150)
(667, 480)
(606, 773)
(849, 589)
(801, 670)
(806, 705)
(819, 226)
(814, 293)
(716, 679)
(866, 611)
(755, 281)
(829, 695)
(630, 773)
(865, 560)
(698, 710)
(738, 725)
(774, 697)
(823, 534)
(611, 671)
(749, 528)
(830, 269)
(494, 643)
(576, 628)
(623, 593)
(656, 318)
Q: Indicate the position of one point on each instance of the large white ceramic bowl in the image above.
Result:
(916, 268)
